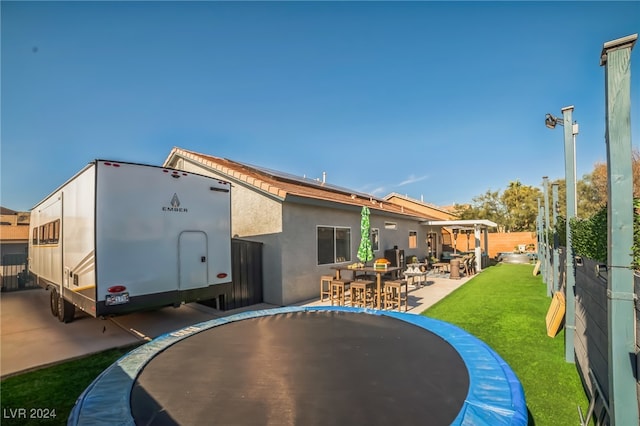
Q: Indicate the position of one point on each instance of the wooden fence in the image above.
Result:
(591, 320)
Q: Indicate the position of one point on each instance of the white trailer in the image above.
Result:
(121, 237)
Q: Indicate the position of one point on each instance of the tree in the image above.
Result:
(520, 204)
(486, 206)
(592, 190)
(516, 209)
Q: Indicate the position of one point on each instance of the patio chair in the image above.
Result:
(325, 287)
(472, 264)
(362, 293)
(339, 291)
(396, 295)
(465, 264)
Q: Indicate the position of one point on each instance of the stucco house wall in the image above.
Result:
(300, 270)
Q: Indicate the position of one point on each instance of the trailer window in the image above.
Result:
(55, 237)
(49, 233)
(34, 236)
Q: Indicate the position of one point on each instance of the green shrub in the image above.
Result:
(561, 227)
(589, 236)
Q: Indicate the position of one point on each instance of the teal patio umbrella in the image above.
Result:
(365, 253)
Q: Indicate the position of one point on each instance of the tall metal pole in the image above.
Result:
(623, 395)
(539, 236)
(547, 227)
(543, 259)
(556, 256)
(570, 179)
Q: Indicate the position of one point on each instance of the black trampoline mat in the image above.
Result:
(304, 368)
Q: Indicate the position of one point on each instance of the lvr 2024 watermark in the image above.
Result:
(29, 413)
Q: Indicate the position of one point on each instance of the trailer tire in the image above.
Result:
(53, 301)
(66, 310)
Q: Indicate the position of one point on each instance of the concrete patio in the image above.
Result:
(421, 297)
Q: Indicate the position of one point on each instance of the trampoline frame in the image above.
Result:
(495, 395)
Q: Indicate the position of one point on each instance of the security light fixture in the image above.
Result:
(551, 121)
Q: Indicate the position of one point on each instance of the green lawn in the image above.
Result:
(506, 306)
(51, 390)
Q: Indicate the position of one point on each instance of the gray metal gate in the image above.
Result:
(246, 262)
(14, 273)
(246, 287)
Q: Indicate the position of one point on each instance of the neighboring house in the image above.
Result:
(14, 245)
(447, 233)
(437, 238)
(14, 232)
(306, 226)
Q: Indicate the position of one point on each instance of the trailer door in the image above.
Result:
(193, 260)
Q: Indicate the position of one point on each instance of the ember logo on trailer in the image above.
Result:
(175, 205)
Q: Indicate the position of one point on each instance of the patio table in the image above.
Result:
(378, 271)
(440, 266)
(414, 275)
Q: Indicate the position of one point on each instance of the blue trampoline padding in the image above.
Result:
(495, 394)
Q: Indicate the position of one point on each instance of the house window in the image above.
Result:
(334, 244)
(413, 239)
(390, 225)
(375, 239)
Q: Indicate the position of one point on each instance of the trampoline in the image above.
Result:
(308, 366)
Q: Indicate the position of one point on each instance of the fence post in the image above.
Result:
(539, 237)
(547, 223)
(543, 250)
(623, 394)
(556, 256)
(570, 275)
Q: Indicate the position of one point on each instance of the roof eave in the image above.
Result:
(483, 223)
(233, 175)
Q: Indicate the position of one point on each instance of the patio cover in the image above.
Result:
(477, 225)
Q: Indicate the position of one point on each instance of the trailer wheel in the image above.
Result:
(66, 310)
(53, 301)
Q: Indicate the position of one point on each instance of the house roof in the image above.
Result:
(283, 185)
(421, 205)
(14, 233)
(4, 210)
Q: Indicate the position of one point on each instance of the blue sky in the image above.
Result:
(440, 100)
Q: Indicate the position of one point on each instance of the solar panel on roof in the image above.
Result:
(312, 182)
